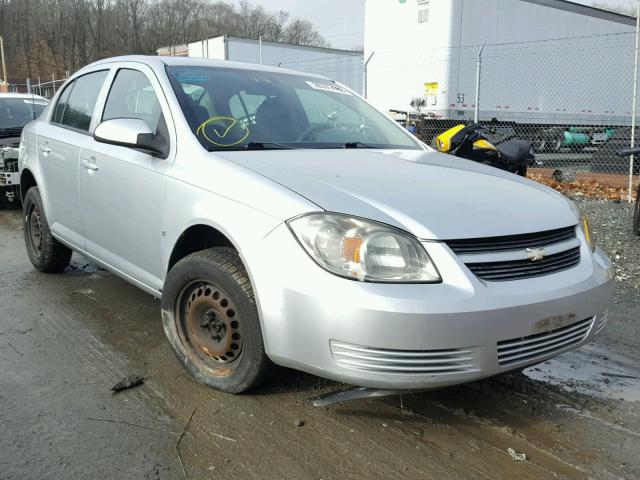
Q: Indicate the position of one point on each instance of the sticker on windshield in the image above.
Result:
(189, 75)
(223, 131)
(328, 87)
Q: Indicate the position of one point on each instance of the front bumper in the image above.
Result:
(418, 336)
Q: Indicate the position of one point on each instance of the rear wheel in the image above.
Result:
(45, 252)
(211, 320)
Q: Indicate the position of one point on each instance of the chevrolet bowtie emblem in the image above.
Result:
(535, 254)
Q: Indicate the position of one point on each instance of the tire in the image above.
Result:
(540, 145)
(557, 146)
(210, 318)
(45, 252)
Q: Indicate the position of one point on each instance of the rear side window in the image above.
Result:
(132, 96)
(62, 103)
(82, 100)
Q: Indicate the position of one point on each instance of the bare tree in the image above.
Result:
(52, 36)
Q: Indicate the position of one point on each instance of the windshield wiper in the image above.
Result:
(252, 146)
(357, 145)
(268, 146)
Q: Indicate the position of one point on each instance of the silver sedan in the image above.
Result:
(284, 220)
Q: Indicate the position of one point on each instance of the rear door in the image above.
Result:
(60, 140)
(120, 187)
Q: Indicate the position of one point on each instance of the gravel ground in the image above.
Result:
(611, 225)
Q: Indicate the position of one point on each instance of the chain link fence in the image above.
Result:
(572, 98)
(46, 89)
(348, 70)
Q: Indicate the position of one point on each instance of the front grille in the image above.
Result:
(511, 242)
(532, 347)
(520, 269)
(431, 362)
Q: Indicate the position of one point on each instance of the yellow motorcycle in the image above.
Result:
(474, 142)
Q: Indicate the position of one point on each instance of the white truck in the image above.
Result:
(16, 110)
(345, 66)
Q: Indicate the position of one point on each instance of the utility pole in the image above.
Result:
(366, 75)
(635, 102)
(4, 64)
(476, 112)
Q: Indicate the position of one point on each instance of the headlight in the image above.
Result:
(584, 224)
(363, 250)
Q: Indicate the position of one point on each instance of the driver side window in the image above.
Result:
(321, 108)
(243, 105)
(133, 96)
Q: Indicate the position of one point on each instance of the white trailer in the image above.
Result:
(345, 66)
(550, 62)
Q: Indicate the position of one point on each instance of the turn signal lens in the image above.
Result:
(587, 233)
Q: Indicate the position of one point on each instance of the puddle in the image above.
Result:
(82, 268)
(591, 371)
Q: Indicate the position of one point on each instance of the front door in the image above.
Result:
(121, 188)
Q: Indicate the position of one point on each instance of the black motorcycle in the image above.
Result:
(487, 145)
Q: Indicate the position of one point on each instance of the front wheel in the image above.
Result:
(211, 321)
(45, 252)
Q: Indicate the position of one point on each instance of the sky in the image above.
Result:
(341, 22)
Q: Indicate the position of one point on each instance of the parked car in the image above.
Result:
(16, 110)
(283, 220)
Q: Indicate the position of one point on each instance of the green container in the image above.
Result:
(574, 138)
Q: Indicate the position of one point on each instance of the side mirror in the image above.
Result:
(129, 132)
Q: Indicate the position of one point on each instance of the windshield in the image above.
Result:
(17, 112)
(231, 109)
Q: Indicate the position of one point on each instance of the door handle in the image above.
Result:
(89, 164)
(45, 148)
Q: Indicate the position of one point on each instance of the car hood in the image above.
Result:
(430, 194)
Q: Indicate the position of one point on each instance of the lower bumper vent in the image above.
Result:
(602, 322)
(532, 347)
(430, 362)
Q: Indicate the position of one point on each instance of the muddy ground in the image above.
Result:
(66, 339)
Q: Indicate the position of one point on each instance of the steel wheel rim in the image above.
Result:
(34, 229)
(209, 325)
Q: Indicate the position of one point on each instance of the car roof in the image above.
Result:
(28, 96)
(159, 62)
